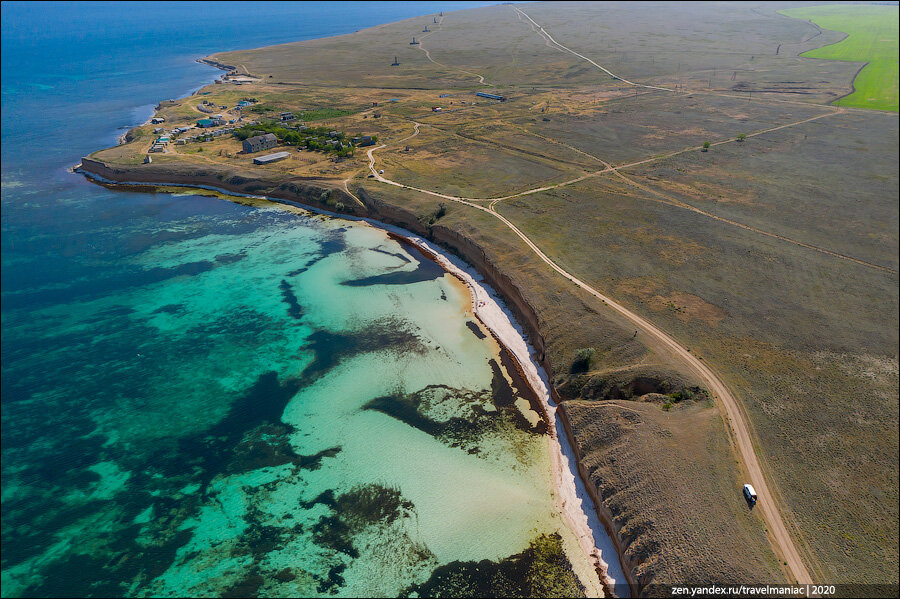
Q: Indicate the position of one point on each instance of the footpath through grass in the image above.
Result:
(873, 38)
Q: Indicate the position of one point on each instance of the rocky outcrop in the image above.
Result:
(318, 193)
(216, 64)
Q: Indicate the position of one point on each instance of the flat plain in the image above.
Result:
(772, 254)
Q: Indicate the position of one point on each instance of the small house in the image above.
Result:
(287, 116)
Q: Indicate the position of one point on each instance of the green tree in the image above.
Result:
(706, 145)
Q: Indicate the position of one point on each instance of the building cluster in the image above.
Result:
(160, 144)
(207, 135)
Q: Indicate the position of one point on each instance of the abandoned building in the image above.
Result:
(260, 142)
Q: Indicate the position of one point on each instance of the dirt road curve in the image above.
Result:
(778, 532)
(742, 436)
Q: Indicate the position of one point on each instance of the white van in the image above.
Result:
(750, 494)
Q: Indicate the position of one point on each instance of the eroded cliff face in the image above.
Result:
(294, 189)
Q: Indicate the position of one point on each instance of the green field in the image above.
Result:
(872, 38)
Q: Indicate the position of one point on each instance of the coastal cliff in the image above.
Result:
(634, 522)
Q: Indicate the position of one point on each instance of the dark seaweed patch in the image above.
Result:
(312, 462)
(267, 445)
(522, 389)
(170, 309)
(295, 310)
(247, 587)
(334, 533)
(230, 258)
(353, 511)
(371, 504)
(249, 437)
(330, 347)
(458, 431)
(427, 271)
(333, 245)
(542, 570)
(501, 392)
(476, 330)
(405, 408)
(325, 498)
(285, 575)
(334, 579)
(397, 255)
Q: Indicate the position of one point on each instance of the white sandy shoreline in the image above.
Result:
(573, 501)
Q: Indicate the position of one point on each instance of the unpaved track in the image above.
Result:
(660, 339)
(657, 338)
(421, 47)
(549, 38)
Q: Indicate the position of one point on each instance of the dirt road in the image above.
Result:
(659, 340)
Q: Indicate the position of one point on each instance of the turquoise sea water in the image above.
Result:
(208, 397)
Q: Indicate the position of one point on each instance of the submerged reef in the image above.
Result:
(541, 570)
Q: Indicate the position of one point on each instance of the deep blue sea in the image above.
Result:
(210, 398)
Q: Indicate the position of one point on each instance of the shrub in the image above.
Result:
(582, 361)
(742, 137)
(706, 145)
